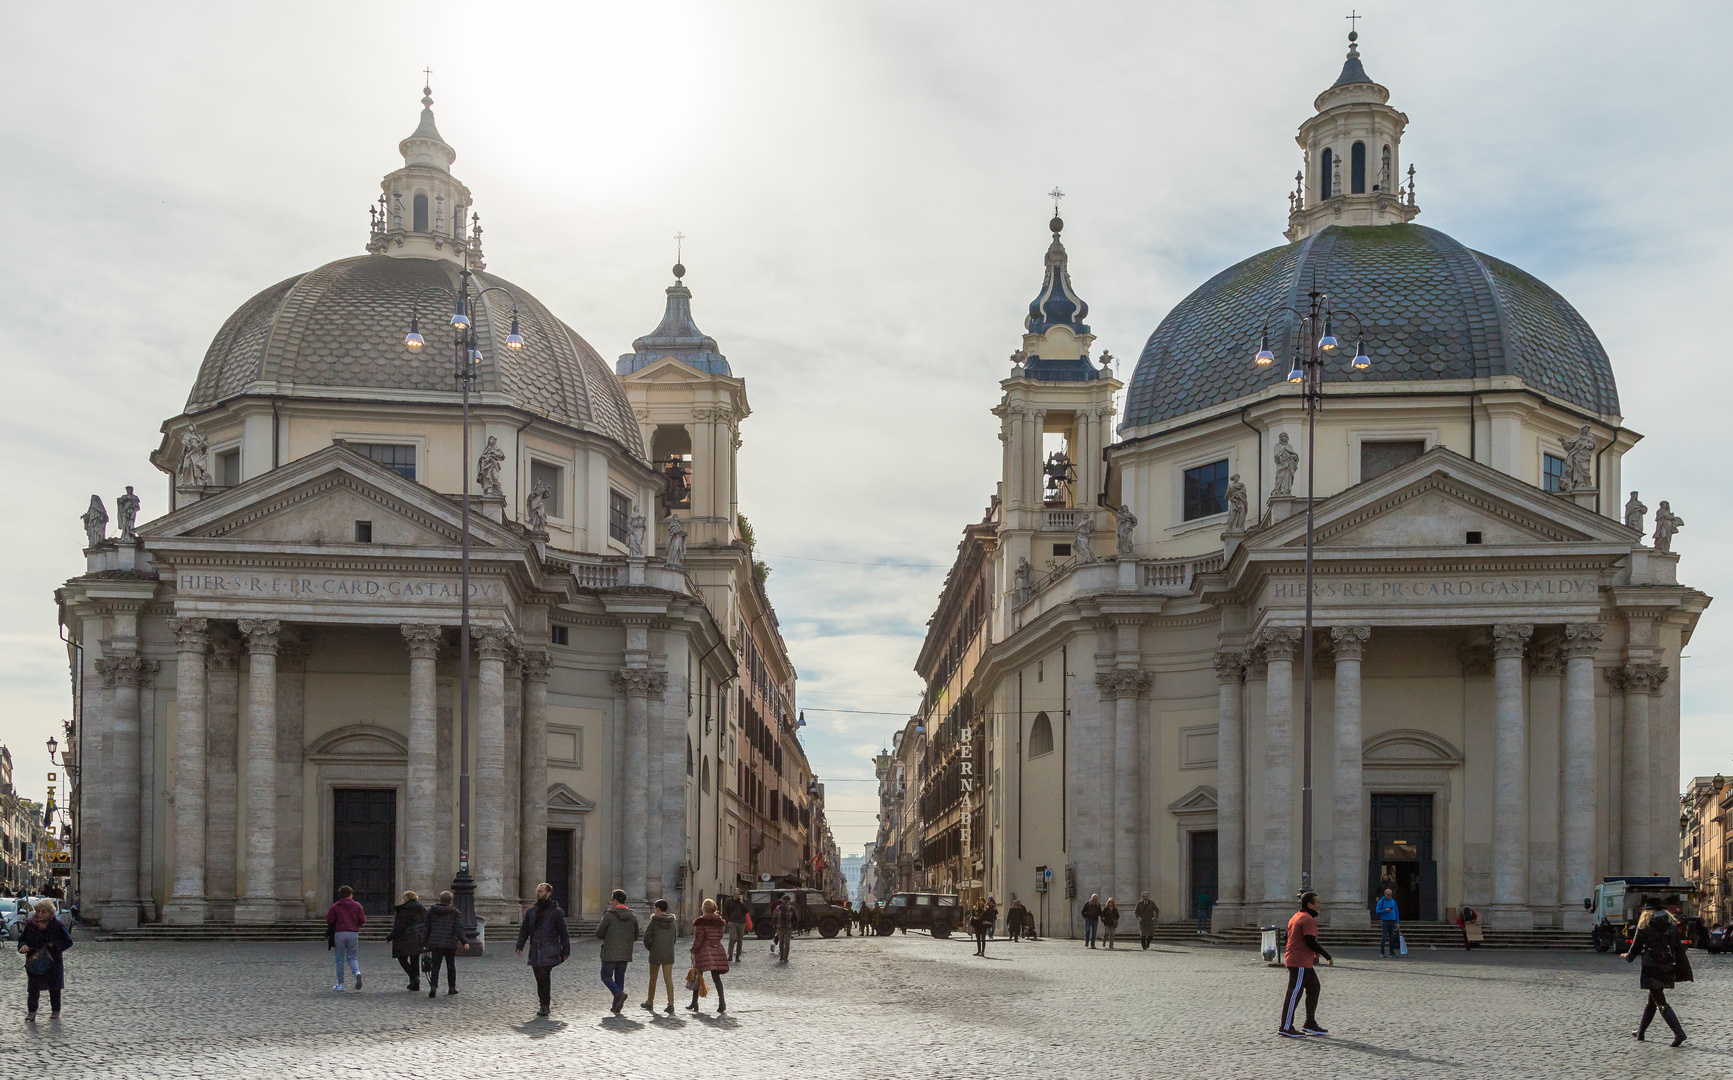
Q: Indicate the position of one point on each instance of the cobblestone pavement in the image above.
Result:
(882, 1007)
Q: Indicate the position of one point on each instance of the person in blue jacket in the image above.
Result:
(1389, 923)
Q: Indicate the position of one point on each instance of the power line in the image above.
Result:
(859, 712)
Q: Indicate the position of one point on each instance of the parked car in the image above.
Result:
(936, 913)
(1618, 901)
(16, 912)
(1719, 940)
(814, 910)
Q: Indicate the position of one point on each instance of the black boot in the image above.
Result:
(1648, 1018)
(1672, 1020)
(694, 1006)
(721, 1002)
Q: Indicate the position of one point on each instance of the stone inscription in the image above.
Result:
(1461, 590)
(333, 587)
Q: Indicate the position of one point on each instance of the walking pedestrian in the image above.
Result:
(659, 938)
(978, 924)
(444, 939)
(1014, 918)
(992, 917)
(1303, 952)
(408, 937)
(1464, 918)
(786, 917)
(1110, 920)
(1203, 906)
(1389, 923)
(1146, 913)
(544, 929)
(848, 917)
(708, 956)
(343, 921)
(43, 939)
(618, 932)
(1665, 963)
(1091, 916)
(734, 911)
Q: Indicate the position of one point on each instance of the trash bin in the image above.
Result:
(1268, 947)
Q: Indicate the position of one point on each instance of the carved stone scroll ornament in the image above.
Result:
(1616, 679)
(126, 670)
(1349, 642)
(1509, 639)
(1666, 524)
(1582, 639)
(536, 665)
(191, 634)
(493, 642)
(423, 639)
(640, 682)
(1635, 511)
(261, 634)
(95, 520)
(1114, 684)
(1230, 665)
(1280, 642)
(1287, 464)
(1645, 678)
(225, 654)
(1545, 656)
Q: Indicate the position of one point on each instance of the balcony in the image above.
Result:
(1150, 577)
(1064, 520)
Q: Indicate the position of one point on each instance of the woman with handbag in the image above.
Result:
(1665, 963)
(708, 955)
(544, 928)
(408, 937)
(42, 940)
(444, 940)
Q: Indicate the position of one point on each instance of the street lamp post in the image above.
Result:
(466, 359)
(1314, 343)
(65, 765)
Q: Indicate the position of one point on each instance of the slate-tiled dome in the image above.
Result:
(1433, 309)
(341, 327)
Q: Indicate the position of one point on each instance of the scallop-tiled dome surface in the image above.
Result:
(1432, 308)
(341, 327)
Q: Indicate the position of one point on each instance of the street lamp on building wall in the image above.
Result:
(466, 358)
(1315, 343)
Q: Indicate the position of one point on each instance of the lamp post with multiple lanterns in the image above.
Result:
(1315, 342)
(466, 362)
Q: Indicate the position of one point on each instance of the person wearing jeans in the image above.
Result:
(1389, 924)
(1091, 917)
(618, 932)
(344, 920)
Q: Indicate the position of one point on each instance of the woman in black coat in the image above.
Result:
(42, 941)
(408, 937)
(1657, 941)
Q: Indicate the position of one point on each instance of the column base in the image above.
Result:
(255, 911)
(1276, 914)
(184, 911)
(499, 913)
(1348, 916)
(119, 915)
(1508, 917)
(1573, 917)
(1226, 915)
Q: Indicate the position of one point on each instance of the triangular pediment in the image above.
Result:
(318, 499)
(1199, 800)
(562, 797)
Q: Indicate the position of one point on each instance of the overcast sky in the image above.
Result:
(862, 188)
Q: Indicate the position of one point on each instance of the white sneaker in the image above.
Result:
(339, 987)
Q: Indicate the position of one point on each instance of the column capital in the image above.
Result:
(1644, 678)
(1546, 656)
(261, 635)
(640, 682)
(292, 652)
(126, 670)
(536, 664)
(492, 642)
(191, 634)
(1349, 642)
(1280, 642)
(1119, 684)
(1508, 639)
(1582, 639)
(423, 639)
(1616, 679)
(1230, 665)
(225, 654)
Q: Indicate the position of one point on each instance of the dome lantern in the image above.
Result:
(423, 210)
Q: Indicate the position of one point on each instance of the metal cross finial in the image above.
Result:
(1353, 16)
(427, 73)
(1056, 195)
(679, 237)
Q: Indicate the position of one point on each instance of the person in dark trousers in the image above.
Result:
(1014, 919)
(659, 938)
(1110, 921)
(343, 923)
(978, 925)
(992, 917)
(1665, 963)
(1146, 913)
(444, 938)
(1389, 924)
(1203, 905)
(1463, 918)
(786, 918)
(848, 917)
(1091, 918)
(43, 939)
(1303, 952)
(734, 911)
(618, 932)
(408, 937)
(708, 956)
(544, 929)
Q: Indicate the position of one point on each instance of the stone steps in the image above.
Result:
(1423, 935)
(302, 931)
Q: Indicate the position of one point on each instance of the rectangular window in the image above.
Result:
(619, 515)
(399, 459)
(1552, 472)
(1378, 458)
(1206, 490)
(551, 477)
(562, 635)
(229, 468)
(363, 532)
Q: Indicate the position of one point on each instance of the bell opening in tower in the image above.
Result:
(671, 449)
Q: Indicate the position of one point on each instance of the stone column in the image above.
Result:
(533, 832)
(258, 903)
(1280, 882)
(1613, 822)
(512, 800)
(1641, 682)
(292, 903)
(1230, 789)
(1348, 816)
(1119, 782)
(422, 781)
(1581, 642)
(222, 723)
(186, 904)
(122, 673)
(638, 684)
(493, 646)
(1510, 910)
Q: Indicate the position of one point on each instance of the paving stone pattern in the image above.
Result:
(905, 1006)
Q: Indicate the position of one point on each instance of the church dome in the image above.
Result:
(338, 330)
(1433, 310)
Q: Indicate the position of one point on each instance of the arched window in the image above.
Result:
(1040, 736)
(1329, 159)
(421, 213)
(1357, 169)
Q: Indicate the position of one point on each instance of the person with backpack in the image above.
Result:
(444, 940)
(544, 929)
(618, 932)
(343, 923)
(43, 939)
(1665, 963)
(659, 938)
(408, 937)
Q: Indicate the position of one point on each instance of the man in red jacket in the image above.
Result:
(344, 921)
(1303, 952)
